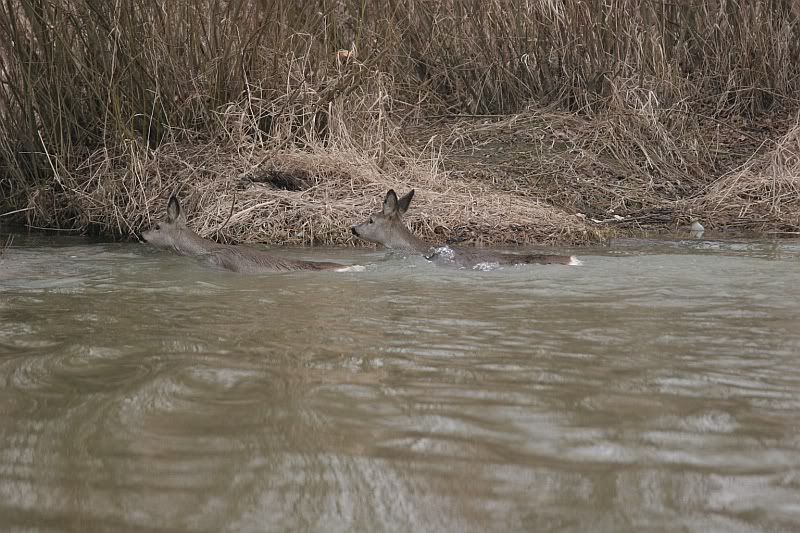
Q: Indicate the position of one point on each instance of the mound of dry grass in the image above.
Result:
(761, 195)
(239, 193)
(629, 168)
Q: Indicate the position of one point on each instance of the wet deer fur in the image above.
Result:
(386, 227)
(173, 234)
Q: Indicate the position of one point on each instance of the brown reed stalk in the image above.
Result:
(637, 105)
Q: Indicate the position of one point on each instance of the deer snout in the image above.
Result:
(355, 231)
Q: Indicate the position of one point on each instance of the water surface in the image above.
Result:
(655, 388)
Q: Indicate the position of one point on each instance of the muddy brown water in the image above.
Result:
(655, 388)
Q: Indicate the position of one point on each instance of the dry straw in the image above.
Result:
(284, 122)
(763, 194)
(239, 193)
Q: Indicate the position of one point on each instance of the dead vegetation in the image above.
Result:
(286, 122)
(626, 172)
(4, 245)
(240, 193)
(763, 194)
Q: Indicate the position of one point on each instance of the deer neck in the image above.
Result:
(403, 239)
(190, 243)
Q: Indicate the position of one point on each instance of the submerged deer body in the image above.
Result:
(386, 227)
(173, 234)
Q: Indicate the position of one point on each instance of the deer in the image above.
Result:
(386, 227)
(173, 234)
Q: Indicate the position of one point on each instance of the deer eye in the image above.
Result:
(371, 220)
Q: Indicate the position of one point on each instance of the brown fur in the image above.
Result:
(173, 234)
(386, 227)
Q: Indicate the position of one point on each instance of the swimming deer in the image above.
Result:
(173, 234)
(386, 227)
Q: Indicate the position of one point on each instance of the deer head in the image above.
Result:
(386, 227)
(172, 233)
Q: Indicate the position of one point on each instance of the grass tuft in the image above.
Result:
(763, 194)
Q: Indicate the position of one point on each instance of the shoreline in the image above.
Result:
(539, 178)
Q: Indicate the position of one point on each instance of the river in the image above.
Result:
(654, 388)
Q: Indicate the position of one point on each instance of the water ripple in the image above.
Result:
(654, 388)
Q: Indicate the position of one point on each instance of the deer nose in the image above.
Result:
(354, 230)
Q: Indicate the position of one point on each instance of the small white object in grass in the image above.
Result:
(696, 230)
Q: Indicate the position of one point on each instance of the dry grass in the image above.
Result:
(6, 244)
(248, 193)
(627, 169)
(762, 195)
(623, 111)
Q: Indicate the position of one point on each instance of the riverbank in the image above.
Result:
(535, 178)
(564, 125)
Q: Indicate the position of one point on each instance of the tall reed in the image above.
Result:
(80, 78)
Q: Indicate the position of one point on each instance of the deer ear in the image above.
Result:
(390, 203)
(174, 211)
(402, 204)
